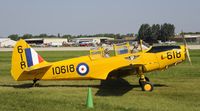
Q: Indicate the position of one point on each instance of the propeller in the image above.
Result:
(186, 48)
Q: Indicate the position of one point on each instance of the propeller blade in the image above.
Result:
(188, 55)
(186, 48)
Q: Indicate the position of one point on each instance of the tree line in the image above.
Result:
(146, 32)
(156, 32)
(68, 36)
(191, 33)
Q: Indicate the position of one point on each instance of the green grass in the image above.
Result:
(176, 89)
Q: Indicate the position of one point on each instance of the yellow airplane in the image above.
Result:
(27, 64)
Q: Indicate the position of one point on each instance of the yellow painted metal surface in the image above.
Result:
(93, 66)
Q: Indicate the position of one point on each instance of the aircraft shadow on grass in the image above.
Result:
(116, 87)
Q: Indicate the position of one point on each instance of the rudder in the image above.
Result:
(23, 56)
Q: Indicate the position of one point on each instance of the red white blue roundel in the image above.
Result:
(82, 69)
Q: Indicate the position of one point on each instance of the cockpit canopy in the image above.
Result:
(121, 48)
(156, 49)
(118, 50)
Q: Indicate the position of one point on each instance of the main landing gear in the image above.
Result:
(144, 82)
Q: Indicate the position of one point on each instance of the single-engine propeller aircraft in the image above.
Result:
(27, 64)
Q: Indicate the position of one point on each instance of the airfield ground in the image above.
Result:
(176, 89)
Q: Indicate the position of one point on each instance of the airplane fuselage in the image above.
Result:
(98, 67)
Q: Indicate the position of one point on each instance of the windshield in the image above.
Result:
(122, 48)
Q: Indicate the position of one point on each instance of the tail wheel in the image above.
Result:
(147, 86)
(34, 82)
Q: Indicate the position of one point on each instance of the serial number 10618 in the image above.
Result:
(63, 69)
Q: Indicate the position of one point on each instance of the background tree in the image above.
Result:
(167, 31)
(191, 32)
(69, 37)
(66, 36)
(43, 36)
(14, 37)
(145, 32)
(51, 36)
(27, 36)
(58, 35)
(155, 31)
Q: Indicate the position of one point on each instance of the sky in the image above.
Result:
(77, 17)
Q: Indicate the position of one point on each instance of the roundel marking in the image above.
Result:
(82, 69)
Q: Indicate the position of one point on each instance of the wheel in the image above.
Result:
(140, 80)
(147, 86)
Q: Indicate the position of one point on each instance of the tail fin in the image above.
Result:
(23, 57)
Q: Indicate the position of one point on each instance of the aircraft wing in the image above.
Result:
(125, 71)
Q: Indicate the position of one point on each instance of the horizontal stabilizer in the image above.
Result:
(40, 66)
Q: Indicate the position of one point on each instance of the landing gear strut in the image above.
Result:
(141, 80)
(144, 82)
(34, 82)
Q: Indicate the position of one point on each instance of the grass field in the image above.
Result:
(176, 89)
